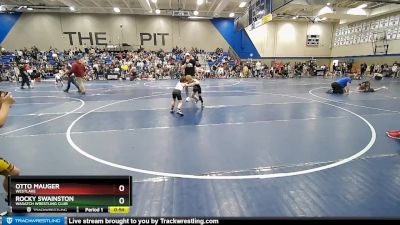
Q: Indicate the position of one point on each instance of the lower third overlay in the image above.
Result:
(22, 220)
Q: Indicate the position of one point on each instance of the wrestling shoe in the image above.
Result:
(395, 135)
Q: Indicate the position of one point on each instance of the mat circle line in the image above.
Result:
(215, 177)
(49, 120)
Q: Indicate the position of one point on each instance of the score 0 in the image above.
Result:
(121, 200)
(122, 209)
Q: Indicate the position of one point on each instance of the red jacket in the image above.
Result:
(27, 67)
(78, 69)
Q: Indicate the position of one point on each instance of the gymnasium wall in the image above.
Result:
(51, 29)
(288, 39)
(364, 49)
(48, 29)
(378, 60)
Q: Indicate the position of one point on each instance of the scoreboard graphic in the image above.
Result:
(64, 196)
(83, 194)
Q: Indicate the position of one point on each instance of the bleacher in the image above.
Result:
(220, 58)
(178, 57)
(6, 59)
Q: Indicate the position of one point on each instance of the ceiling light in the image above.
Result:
(357, 12)
(242, 4)
(362, 6)
(328, 4)
(72, 8)
(231, 14)
(117, 10)
(158, 11)
(198, 17)
(325, 10)
(30, 9)
(294, 17)
(200, 2)
(196, 13)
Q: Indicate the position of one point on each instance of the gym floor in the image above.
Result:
(269, 148)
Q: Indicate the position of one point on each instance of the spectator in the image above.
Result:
(258, 69)
(79, 70)
(71, 79)
(371, 69)
(25, 76)
(363, 69)
(394, 70)
(6, 168)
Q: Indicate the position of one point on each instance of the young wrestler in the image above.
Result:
(196, 95)
(177, 94)
(366, 87)
(59, 77)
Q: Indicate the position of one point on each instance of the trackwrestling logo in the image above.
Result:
(33, 220)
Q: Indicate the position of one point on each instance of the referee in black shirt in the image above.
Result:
(189, 66)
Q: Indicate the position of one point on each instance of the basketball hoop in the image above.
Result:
(380, 36)
(380, 43)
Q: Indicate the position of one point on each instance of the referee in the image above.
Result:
(189, 66)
